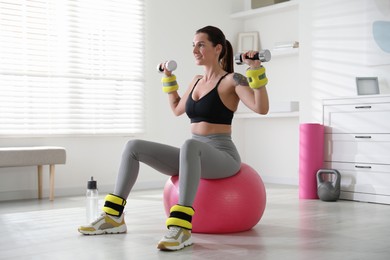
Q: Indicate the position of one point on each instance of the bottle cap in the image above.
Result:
(92, 184)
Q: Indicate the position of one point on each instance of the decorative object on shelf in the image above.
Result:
(367, 85)
(262, 3)
(286, 45)
(248, 41)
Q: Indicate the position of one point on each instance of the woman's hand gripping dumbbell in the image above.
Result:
(263, 56)
(170, 65)
(169, 80)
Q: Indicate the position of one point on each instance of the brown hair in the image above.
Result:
(216, 36)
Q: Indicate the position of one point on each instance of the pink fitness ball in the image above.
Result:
(228, 205)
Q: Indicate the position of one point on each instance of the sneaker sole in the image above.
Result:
(116, 230)
(162, 247)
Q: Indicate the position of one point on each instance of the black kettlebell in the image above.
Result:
(328, 184)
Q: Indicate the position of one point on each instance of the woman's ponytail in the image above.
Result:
(227, 59)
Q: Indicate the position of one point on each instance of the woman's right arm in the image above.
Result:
(177, 103)
(174, 103)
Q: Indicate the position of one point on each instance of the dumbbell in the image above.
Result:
(170, 65)
(263, 56)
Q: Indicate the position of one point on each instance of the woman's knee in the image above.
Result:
(132, 147)
(132, 144)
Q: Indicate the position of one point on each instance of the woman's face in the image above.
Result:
(204, 51)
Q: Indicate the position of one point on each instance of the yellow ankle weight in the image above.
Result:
(180, 216)
(256, 77)
(114, 205)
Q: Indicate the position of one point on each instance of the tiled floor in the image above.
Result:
(289, 229)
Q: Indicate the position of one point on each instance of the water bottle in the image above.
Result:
(92, 201)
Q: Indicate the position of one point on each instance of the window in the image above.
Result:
(71, 67)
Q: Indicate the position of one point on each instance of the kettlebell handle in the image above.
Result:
(334, 172)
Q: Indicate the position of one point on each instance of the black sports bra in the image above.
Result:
(209, 108)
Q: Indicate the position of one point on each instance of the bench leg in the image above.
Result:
(40, 167)
(52, 172)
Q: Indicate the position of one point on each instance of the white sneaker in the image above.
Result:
(105, 224)
(176, 239)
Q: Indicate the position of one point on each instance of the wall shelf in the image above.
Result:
(270, 115)
(287, 109)
(265, 10)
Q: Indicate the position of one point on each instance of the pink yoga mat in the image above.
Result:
(311, 158)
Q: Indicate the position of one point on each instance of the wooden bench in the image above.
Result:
(34, 156)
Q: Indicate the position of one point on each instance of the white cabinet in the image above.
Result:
(357, 144)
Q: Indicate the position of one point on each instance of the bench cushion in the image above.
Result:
(29, 156)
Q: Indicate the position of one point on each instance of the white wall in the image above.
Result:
(169, 35)
(327, 67)
(270, 144)
(337, 46)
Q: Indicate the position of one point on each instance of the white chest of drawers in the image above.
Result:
(357, 144)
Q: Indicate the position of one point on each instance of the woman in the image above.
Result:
(209, 102)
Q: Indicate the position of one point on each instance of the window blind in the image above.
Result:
(71, 67)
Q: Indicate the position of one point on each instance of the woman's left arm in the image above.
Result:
(255, 99)
(252, 89)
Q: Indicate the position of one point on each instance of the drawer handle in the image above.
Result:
(363, 107)
(363, 136)
(362, 167)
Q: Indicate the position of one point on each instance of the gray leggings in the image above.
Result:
(210, 157)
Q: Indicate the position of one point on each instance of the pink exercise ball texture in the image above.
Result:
(228, 205)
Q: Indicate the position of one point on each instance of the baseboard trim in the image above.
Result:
(280, 180)
(74, 191)
(104, 189)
